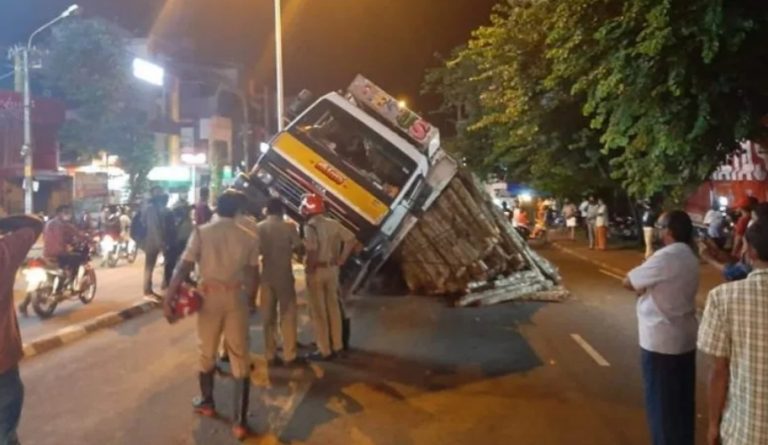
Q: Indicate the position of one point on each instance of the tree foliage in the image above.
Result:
(87, 64)
(651, 93)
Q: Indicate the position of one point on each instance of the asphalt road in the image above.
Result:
(421, 373)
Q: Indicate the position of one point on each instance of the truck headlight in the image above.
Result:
(264, 176)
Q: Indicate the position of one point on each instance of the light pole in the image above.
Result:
(26, 149)
(279, 62)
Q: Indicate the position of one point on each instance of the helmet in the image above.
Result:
(312, 204)
(187, 301)
(743, 203)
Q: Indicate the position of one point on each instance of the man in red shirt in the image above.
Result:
(744, 208)
(17, 235)
(203, 213)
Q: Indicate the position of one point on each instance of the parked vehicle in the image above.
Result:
(48, 284)
(624, 228)
(113, 250)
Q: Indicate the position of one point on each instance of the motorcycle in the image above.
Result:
(113, 250)
(48, 284)
(624, 228)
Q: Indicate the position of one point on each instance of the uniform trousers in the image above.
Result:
(323, 287)
(279, 295)
(224, 314)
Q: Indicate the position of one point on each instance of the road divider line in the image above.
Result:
(599, 264)
(599, 359)
(611, 274)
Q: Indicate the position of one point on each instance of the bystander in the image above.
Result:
(666, 284)
(17, 235)
(734, 333)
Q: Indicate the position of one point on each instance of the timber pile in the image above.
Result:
(463, 245)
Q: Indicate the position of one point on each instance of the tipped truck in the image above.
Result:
(385, 176)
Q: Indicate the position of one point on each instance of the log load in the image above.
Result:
(464, 245)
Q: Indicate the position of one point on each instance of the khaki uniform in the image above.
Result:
(279, 239)
(223, 250)
(326, 236)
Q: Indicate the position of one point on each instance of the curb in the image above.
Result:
(599, 264)
(75, 332)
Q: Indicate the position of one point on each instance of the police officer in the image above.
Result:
(279, 240)
(328, 246)
(227, 255)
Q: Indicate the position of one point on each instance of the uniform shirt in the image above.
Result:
(223, 249)
(326, 236)
(735, 326)
(279, 239)
(58, 234)
(666, 312)
(13, 251)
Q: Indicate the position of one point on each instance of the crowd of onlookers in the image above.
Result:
(733, 333)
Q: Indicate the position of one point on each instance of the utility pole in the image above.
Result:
(26, 149)
(20, 56)
(279, 63)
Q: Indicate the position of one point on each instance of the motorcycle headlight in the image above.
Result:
(35, 277)
(107, 243)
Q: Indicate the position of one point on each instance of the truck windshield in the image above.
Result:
(355, 145)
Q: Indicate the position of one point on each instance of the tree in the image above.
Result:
(654, 94)
(515, 124)
(673, 87)
(88, 65)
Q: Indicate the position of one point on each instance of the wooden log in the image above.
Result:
(463, 243)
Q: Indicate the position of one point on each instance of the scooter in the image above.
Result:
(48, 284)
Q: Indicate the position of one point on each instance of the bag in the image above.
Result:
(138, 228)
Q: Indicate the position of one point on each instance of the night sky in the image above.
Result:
(326, 42)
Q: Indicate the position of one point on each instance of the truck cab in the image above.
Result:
(377, 164)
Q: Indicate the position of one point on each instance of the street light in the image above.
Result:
(26, 149)
(148, 72)
(279, 63)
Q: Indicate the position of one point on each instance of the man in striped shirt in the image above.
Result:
(734, 333)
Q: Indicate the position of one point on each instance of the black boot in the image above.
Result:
(346, 331)
(204, 404)
(23, 307)
(242, 396)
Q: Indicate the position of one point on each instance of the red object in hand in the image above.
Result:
(186, 302)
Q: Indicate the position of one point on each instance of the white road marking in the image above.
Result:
(599, 359)
(611, 274)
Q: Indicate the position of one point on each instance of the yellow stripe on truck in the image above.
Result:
(330, 178)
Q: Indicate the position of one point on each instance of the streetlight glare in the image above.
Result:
(71, 10)
(148, 72)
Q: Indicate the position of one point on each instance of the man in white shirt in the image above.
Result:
(667, 283)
